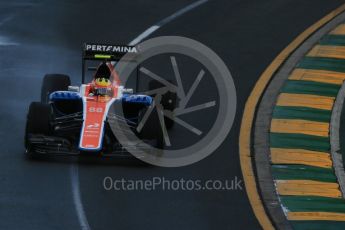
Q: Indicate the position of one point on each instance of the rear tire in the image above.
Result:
(38, 122)
(53, 82)
(168, 101)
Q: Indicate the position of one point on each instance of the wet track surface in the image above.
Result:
(38, 37)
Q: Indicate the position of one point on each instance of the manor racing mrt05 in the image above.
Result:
(72, 120)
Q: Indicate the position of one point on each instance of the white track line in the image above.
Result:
(143, 35)
(78, 204)
(77, 200)
(166, 20)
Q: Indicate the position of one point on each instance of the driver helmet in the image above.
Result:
(102, 77)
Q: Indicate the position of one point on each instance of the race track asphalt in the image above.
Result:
(38, 37)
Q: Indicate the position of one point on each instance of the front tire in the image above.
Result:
(152, 128)
(38, 122)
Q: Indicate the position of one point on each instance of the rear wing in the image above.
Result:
(104, 52)
(93, 51)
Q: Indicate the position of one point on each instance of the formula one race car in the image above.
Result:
(72, 120)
